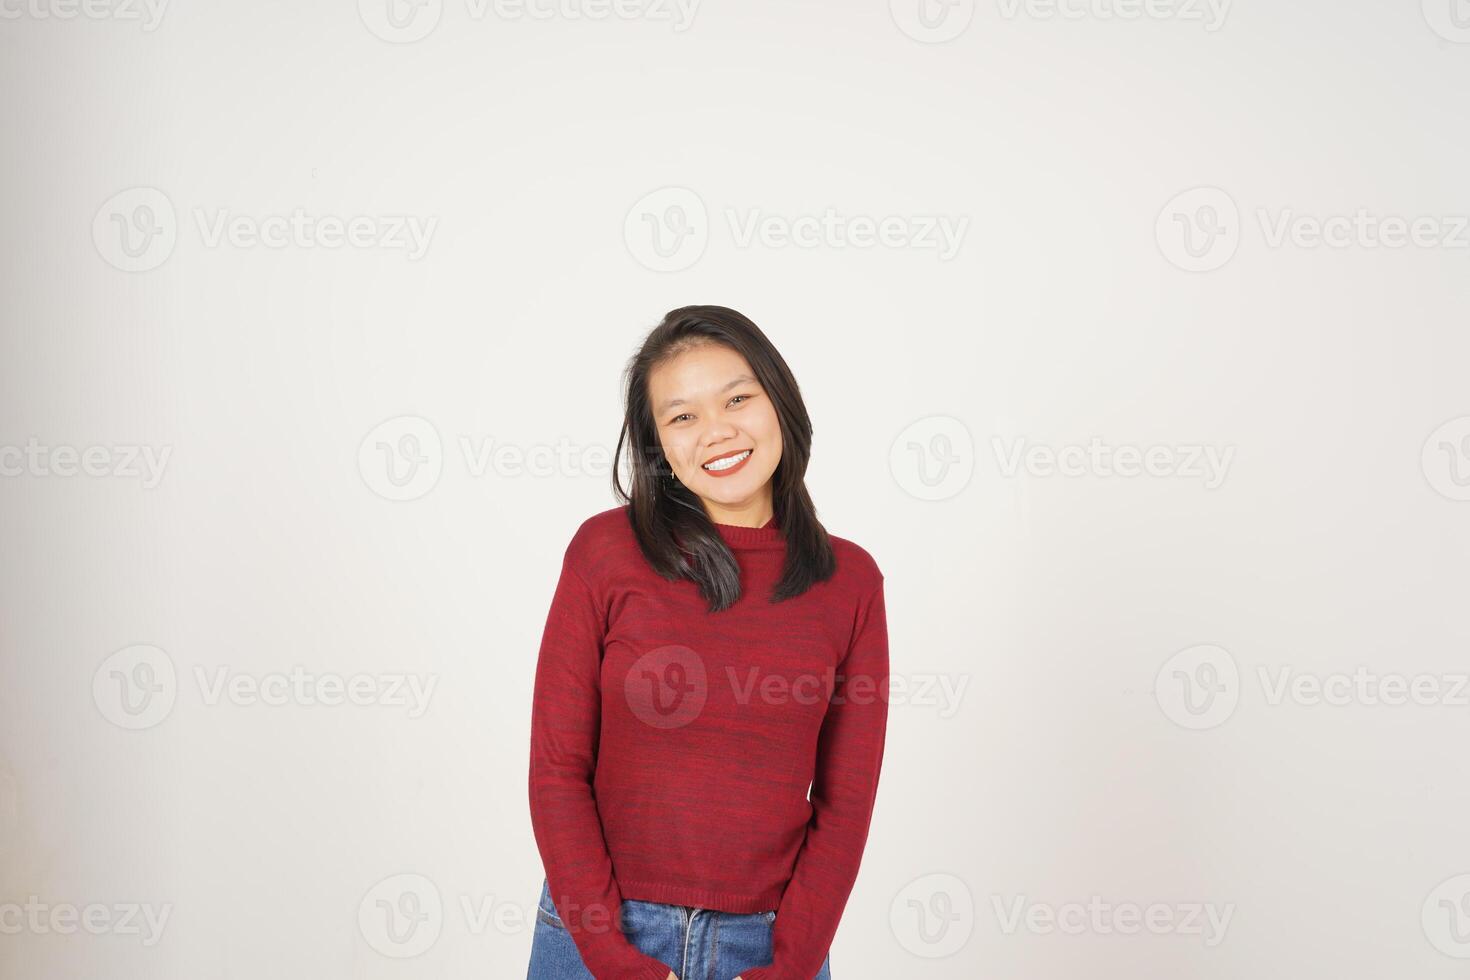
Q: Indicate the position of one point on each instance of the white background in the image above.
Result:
(1073, 763)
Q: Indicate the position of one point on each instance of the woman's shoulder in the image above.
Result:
(855, 564)
(604, 536)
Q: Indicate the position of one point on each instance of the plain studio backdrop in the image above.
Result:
(1134, 336)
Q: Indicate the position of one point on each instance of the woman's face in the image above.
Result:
(708, 408)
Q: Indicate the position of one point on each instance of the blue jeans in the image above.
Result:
(696, 944)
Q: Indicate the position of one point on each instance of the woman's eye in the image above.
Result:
(740, 396)
(678, 417)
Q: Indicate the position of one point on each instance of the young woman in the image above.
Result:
(712, 655)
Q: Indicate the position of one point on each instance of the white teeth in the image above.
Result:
(727, 462)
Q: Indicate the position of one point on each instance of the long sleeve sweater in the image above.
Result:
(726, 761)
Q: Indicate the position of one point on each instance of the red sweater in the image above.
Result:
(672, 748)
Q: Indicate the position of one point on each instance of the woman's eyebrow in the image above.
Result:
(742, 379)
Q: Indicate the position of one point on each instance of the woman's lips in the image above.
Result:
(730, 469)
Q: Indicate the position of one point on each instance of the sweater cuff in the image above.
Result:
(655, 971)
(615, 958)
(760, 973)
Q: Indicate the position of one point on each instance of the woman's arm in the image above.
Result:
(566, 712)
(849, 757)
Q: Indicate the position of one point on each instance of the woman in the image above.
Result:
(710, 654)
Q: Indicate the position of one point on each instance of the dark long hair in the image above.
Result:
(673, 529)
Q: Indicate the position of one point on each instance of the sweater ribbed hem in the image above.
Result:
(701, 898)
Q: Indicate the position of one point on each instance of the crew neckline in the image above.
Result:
(768, 535)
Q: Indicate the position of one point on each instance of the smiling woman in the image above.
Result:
(711, 417)
(694, 818)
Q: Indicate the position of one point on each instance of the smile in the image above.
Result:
(721, 465)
